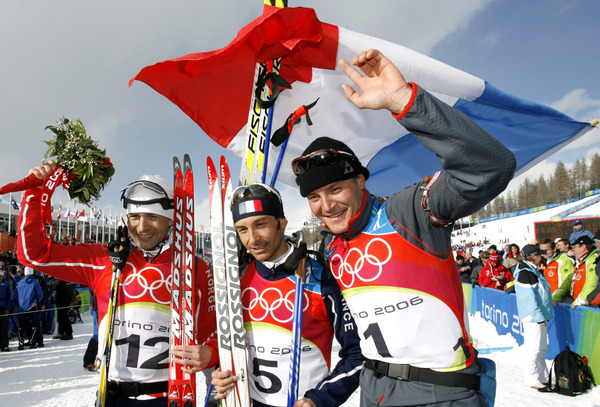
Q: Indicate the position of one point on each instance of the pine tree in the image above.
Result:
(561, 182)
(594, 172)
(543, 196)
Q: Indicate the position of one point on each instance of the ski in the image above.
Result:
(175, 373)
(297, 324)
(254, 162)
(103, 363)
(188, 300)
(110, 326)
(220, 276)
(234, 292)
(182, 387)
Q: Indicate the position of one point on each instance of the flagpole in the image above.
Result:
(60, 221)
(97, 220)
(76, 231)
(10, 201)
(103, 225)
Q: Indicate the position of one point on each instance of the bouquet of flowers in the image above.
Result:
(88, 167)
(82, 168)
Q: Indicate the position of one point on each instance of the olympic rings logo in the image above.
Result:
(271, 301)
(149, 279)
(350, 267)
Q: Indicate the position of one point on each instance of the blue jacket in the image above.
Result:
(534, 296)
(5, 295)
(28, 294)
(578, 233)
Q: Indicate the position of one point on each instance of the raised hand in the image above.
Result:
(381, 83)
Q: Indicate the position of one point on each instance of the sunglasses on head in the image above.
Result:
(254, 190)
(319, 158)
(165, 202)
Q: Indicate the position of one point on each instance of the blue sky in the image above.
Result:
(75, 58)
(538, 50)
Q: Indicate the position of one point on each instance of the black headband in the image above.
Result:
(256, 206)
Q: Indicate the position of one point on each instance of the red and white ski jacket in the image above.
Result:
(142, 321)
(488, 271)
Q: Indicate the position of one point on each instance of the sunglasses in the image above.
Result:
(165, 202)
(319, 158)
(254, 190)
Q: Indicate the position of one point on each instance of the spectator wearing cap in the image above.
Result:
(494, 274)
(28, 296)
(584, 276)
(593, 298)
(492, 249)
(578, 231)
(534, 306)
(558, 271)
(484, 256)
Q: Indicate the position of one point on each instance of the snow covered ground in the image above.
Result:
(53, 376)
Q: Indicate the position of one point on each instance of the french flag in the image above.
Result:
(214, 88)
(250, 206)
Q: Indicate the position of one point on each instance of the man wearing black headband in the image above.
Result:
(268, 284)
(138, 370)
(392, 257)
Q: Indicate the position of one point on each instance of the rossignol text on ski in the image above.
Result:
(182, 386)
(230, 323)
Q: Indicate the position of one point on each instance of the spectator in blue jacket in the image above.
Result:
(5, 307)
(47, 317)
(28, 296)
(578, 231)
(14, 276)
(534, 305)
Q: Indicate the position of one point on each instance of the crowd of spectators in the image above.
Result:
(568, 264)
(29, 301)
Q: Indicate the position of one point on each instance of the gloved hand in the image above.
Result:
(293, 261)
(118, 249)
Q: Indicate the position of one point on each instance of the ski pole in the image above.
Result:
(294, 377)
(282, 135)
(118, 251)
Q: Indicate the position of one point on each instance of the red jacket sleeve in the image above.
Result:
(82, 264)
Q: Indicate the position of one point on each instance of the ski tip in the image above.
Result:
(225, 167)
(187, 162)
(176, 164)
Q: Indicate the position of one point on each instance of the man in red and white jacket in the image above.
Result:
(138, 372)
(493, 274)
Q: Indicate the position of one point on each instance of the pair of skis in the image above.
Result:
(182, 386)
(260, 116)
(254, 169)
(230, 321)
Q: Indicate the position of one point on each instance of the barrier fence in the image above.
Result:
(578, 328)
